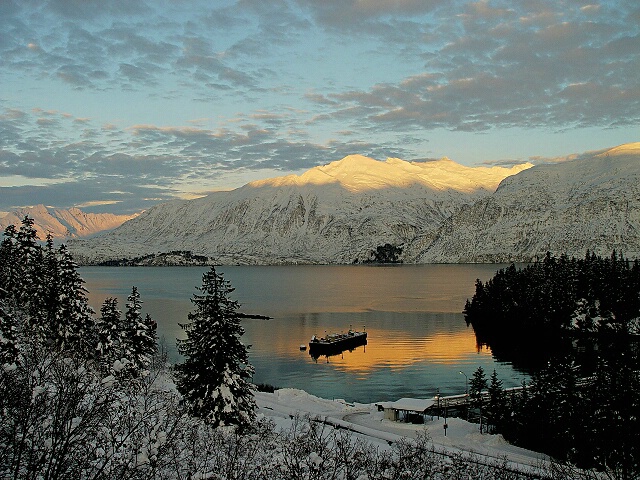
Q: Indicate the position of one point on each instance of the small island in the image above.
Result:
(165, 259)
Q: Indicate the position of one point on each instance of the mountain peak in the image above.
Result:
(624, 149)
(358, 173)
(62, 223)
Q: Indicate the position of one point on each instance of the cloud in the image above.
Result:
(343, 14)
(75, 194)
(528, 66)
(146, 153)
(98, 45)
(285, 85)
(135, 167)
(90, 9)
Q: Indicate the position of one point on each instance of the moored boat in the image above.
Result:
(335, 343)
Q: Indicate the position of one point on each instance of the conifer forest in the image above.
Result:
(582, 404)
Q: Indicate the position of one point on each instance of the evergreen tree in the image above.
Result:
(497, 404)
(109, 327)
(76, 329)
(477, 385)
(139, 338)
(148, 339)
(214, 377)
(515, 430)
(8, 263)
(28, 286)
(8, 335)
(8, 275)
(51, 281)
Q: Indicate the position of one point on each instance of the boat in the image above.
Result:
(336, 343)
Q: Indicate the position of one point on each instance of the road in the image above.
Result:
(365, 420)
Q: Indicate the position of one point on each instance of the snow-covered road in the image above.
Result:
(365, 420)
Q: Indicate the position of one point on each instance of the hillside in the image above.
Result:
(592, 202)
(63, 224)
(336, 213)
(438, 211)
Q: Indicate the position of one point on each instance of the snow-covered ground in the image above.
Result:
(367, 421)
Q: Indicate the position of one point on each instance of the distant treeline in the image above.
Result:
(559, 294)
(175, 257)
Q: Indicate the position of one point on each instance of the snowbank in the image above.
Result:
(365, 420)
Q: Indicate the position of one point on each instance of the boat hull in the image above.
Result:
(336, 344)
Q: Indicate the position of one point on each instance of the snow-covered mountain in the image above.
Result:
(63, 223)
(439, 211)
(336, 213)
(592, 202)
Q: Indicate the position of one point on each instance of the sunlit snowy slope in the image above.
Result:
(591, 202)
(63, 223)
(439, 211)
(336, 213)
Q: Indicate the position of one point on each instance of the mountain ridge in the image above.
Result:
(360, 173)
(437, 211)
(592, 202)
(335, 213)
(65, 223)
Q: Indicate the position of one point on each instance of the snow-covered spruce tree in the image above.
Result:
(45, 284)
(8, 264)
(51, 287)
(138, 335)
(497, 404)
(8, 335)
(21, 278)
(148, 339)
(214, 377)
(76, 328)
(25, 273)
(109, 326)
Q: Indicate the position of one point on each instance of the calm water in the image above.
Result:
(418, 339)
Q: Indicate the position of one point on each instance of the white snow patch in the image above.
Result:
(366, 421)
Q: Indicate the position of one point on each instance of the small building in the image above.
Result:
(410, 410)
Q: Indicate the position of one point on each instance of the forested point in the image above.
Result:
(582, 409)
(172, 258)
(593, 295)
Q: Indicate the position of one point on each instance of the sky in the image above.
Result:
(114, 106)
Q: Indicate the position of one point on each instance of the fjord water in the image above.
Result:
(418, 340)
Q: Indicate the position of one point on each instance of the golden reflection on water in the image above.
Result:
(400, 350)
(437, 339)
